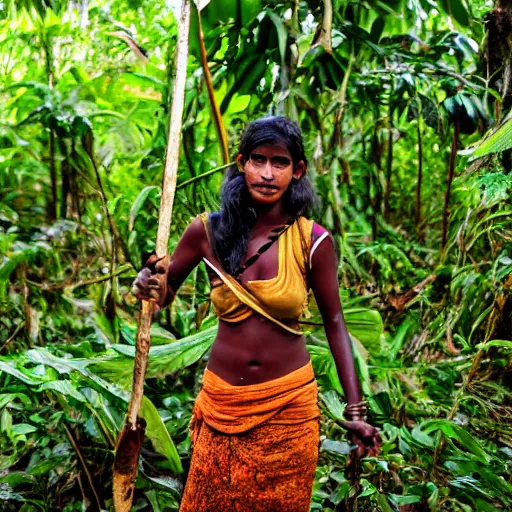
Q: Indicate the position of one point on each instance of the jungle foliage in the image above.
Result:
(405, 111)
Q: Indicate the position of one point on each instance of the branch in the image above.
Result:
(186, 183)
(219, 125)
(84, 465)
(121, 270)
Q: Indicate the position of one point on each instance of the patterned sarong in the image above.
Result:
(255, 446)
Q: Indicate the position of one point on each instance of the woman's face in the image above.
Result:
(269, 171)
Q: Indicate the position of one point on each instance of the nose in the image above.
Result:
(266, 172)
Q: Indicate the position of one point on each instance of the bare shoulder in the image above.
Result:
(195, 234)
(197, 227)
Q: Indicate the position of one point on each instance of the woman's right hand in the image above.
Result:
(151, 281)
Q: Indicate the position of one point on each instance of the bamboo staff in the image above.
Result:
(130, 440)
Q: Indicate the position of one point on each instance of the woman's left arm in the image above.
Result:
(323, 278)
(324, 283)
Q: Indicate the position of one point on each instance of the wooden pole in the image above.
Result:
(130, 441)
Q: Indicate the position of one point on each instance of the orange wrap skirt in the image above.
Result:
(255, 447)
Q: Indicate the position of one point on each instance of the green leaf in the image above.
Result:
(360, 360)
(167, 482)
(433, 497)
(457, 10)
(340, 493)
(365, 325)
(158, 434)
(332, 375)
(421, 437)
(23, 428)
(7, 368)
(63, 366)
(282, 34)
(400, 336)
(458, 433)
(112, 391)
(338, 447)
(152, 496)
(382, 502)
(404, 499)
(239, 103)
(430, 112)
(5, 421)
(163, 359)
(313, 54)
(51, 19)
(137, 204)
(64, 387)
(249, 9)
(333, 404)
(15, 478)
(468, 483)
(8, 398)
(368, 488)
(498, 140)
(136, 86)
(495, 343)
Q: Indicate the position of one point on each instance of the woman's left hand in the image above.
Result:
(366, 438)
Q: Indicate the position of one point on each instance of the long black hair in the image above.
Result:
(230, 227)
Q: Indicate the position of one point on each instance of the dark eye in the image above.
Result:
(280, 162)
(258, 160)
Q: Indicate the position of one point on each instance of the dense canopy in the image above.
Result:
(405, 109)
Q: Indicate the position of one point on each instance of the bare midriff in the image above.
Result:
(256, 350)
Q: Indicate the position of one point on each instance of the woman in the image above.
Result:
(255, 424)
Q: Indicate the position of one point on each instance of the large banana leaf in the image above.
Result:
(163, 359)
(155, 427)
(363, 324)
(500, 139)
(366, 326)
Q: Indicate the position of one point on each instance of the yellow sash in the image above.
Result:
(247, 298)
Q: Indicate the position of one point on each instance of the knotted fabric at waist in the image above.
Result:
(288, 400)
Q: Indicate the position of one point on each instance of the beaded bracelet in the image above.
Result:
(356, 411)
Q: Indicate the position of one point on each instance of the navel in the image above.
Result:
(254, 363)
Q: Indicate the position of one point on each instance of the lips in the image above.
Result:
(264, 186)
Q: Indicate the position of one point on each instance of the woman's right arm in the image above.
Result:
(160, 279)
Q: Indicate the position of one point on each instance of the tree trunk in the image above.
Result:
(499, 59)
(389, 166)
(52, 205)
(74, 186)
(419, 231)
(48, 56)
(451, 172)
(374, 180)
(84, 14)
(65, 172)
